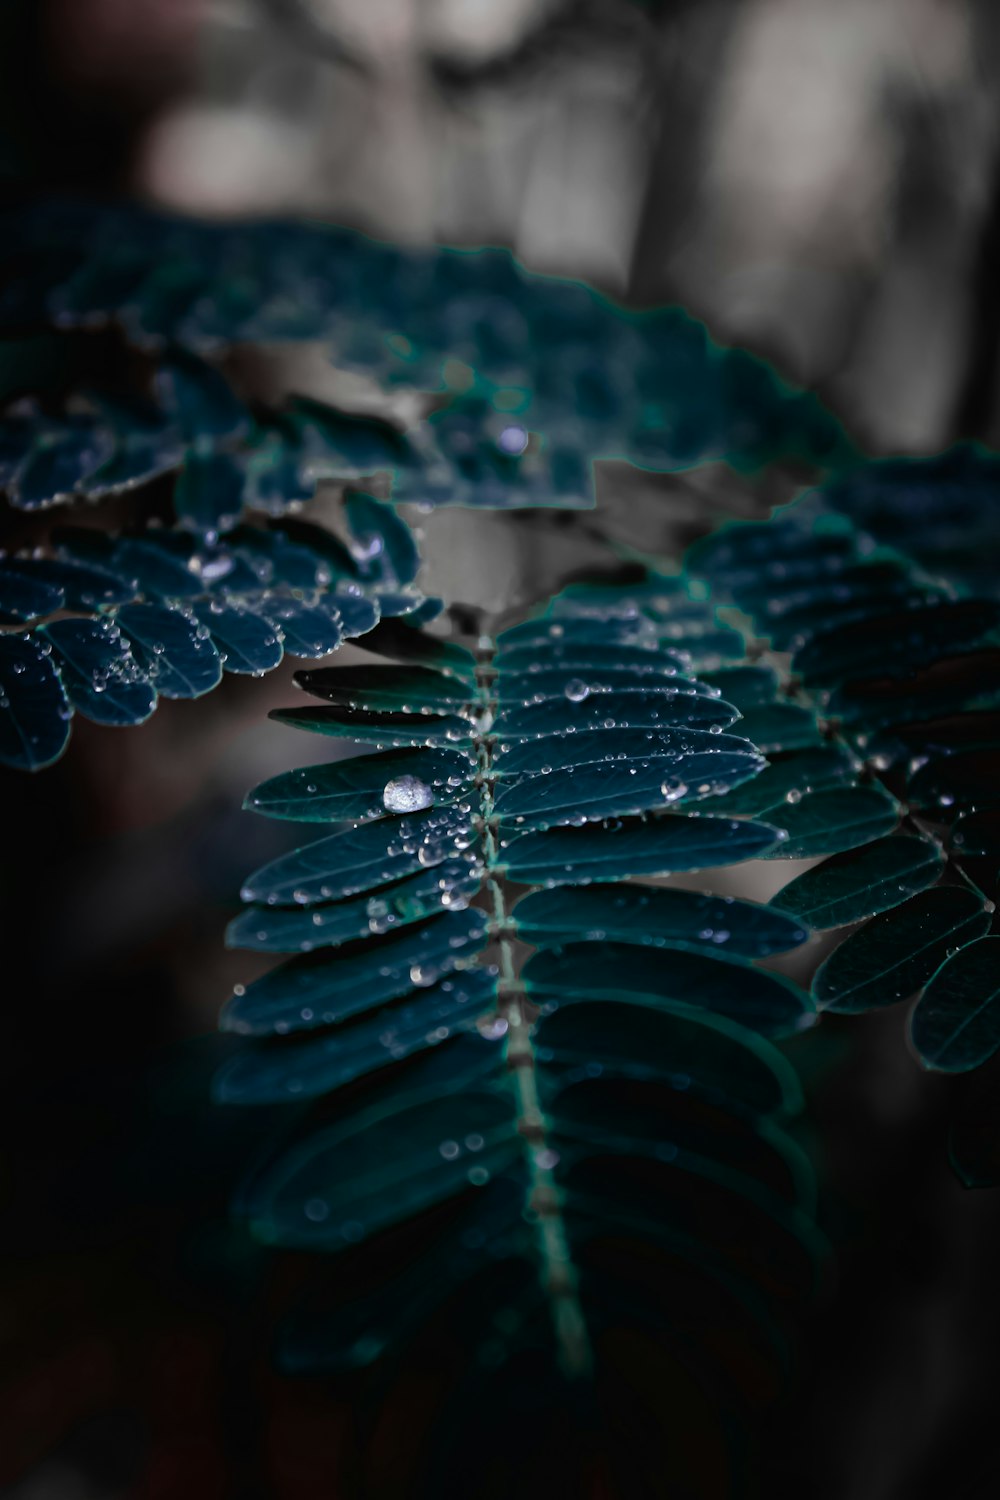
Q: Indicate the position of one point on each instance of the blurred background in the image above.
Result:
(819, 182)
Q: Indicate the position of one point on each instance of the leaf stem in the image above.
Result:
(545, 1204)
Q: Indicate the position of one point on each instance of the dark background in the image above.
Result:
(820, 182)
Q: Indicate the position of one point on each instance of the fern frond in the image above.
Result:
(895, 668)
(603, 1116)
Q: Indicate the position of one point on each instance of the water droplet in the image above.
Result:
(672, 789)
(513, 440)
(407, 794)
(793, 796)
(576, 690)
(492, 1028)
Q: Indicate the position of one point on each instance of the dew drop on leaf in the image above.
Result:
(672, 789)
(407, 794)
(576, 690)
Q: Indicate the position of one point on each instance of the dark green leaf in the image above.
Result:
(275, 559)
(579, 710)
(305, 629)
(789, 777)
(84, 586)
(779, 727)
(60, 462)
(707, 647)
(634, 847)
(745, 687)
(956, 1023)
(827, 822)
(894, 954)
(552, 682)
(385, 730)
(245, 641)
(321, 989)
(349, 1181)
(862, 882)
(101, 676)
(448, 885)
(158, 574)
(640, 1038)
(410, 689)
(597, 789)
(268, 1073)
(34, 711)
(357, 615)
(360, 859)
(763, 1002)
(23, 598)
(180, 662)
(574, 657)
(349, 790)
(718, 758)
(658, 918)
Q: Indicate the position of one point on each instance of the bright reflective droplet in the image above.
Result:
(493, 1027)
(672, 789)
(407, 794)
(576, 690)
(513, 440)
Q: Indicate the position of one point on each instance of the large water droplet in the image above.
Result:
(672, 789)
(576, 690)
(407, 794)
(512, 440)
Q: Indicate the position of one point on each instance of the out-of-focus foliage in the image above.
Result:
(539, 375)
